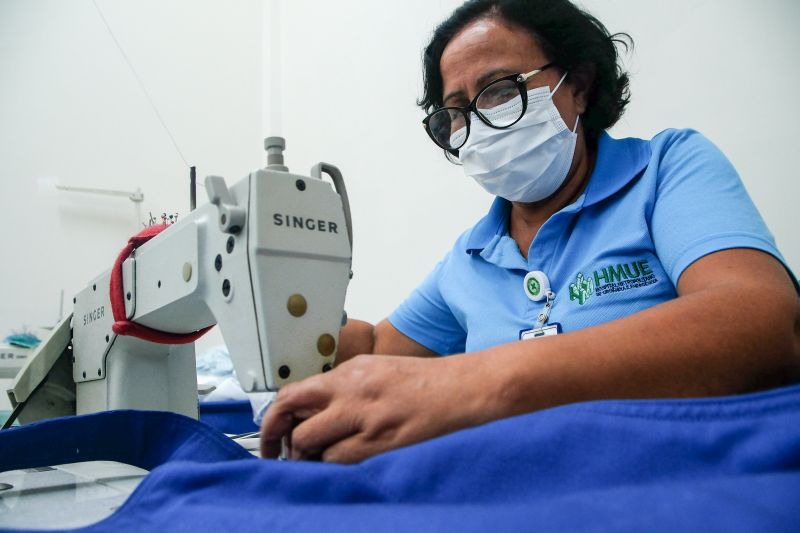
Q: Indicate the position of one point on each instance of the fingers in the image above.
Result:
(314, 435)
(272, 430)
(294, 402)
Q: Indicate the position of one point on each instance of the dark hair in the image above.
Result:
(572, 39)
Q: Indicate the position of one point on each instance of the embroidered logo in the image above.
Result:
(612, 279)
(582, 289)
(618, 278)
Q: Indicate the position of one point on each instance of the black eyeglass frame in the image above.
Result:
(521, 82)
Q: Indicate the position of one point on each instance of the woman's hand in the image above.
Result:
(372, 404)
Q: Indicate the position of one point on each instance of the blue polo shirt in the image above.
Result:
(650, 209)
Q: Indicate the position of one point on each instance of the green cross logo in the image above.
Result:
(582, 289)
(534, 287)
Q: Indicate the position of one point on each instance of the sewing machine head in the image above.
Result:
(267, 260)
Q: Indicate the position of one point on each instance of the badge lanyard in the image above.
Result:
(545, 314)
(537, 288)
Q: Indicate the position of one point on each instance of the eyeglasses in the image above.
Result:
(448, 127)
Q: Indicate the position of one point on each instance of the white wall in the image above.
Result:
(728, 69)
(71, 109)
(350, 74)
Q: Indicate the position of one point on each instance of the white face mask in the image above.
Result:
(528, 161)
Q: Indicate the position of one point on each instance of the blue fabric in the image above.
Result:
(145, 439)
(721, 464)
(229, 416)
(651, 209)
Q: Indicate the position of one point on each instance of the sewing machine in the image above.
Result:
(268, 260)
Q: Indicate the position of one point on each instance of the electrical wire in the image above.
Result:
(140, 82)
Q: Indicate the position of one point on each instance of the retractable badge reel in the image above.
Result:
(537, 288)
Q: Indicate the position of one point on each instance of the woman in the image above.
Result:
(605, 268)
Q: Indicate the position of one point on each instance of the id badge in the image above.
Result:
(535, 333)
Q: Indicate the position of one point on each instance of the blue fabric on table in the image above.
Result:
(719, 464)
(229, 416)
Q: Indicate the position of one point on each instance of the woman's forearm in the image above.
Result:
(356, 337)
(718, 340)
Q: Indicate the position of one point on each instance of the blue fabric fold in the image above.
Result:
(715, 464)
(145, 439)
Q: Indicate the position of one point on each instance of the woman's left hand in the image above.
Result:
(371, 404)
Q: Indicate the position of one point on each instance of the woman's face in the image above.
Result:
(488, 49)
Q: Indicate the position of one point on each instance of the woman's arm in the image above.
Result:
(358, 337)
(735, 327)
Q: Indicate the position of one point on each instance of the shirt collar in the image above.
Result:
(493, 224)
(619, 161)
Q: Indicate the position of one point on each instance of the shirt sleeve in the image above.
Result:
(701, 205)
(426, 318)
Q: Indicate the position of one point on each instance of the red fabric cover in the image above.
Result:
(123, 326)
